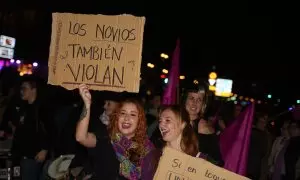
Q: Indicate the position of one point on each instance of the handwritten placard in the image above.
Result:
(101, 51)
(174, 165)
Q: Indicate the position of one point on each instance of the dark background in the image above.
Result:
(255, 42)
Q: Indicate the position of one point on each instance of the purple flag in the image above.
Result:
(235, 142)
(169, 97)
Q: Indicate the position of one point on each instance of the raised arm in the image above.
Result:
(84, 137)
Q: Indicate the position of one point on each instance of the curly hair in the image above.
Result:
(189, 141)
(140, 133)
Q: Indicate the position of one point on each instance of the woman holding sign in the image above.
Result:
(120, 153)
(177, 133)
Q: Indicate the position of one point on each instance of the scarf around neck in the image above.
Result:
(122, 146)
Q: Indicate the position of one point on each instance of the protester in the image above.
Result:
(120, 153)
(177, 133)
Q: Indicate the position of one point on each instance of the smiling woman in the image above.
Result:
(122, 146)
(176, 130)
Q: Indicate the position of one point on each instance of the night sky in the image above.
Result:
(254, 43)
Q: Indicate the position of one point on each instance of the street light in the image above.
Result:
(164, 56)
(150, 65)
(165, 71)
(212, 75)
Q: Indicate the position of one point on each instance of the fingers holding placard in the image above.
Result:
(85, 94)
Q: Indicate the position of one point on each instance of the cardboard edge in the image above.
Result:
(138, 72)
(51, 59)
(124, 14)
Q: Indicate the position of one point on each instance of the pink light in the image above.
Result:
(35, 64)
(12, 61)
(18, 62)
(2, 64)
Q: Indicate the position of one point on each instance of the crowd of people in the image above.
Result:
(122, 136)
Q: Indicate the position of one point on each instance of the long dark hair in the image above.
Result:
(189, 141)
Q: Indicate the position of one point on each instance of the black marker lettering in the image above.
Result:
(91, 73)
(176, 163)
(115, 74)
(107, 52)
(106, 75)
(213, 176)
(116, 54)
(83, 72)
(87, 74)
(75, 76)
(191, 169)
(110, 33)
(73, 49)
(96, 77)
(77, 29)
(95, 53)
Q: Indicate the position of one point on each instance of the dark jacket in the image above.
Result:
(291, 157)
(257, 151)
(32, 122)
(63, 133)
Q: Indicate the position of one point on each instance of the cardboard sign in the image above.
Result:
(174, 165)
(101, 51)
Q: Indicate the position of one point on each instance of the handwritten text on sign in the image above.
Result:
(101, 51)
(174, 165)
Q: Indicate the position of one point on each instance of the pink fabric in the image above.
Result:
(235, 142)
(169, 97)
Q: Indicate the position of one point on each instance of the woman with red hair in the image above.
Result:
(120, 149)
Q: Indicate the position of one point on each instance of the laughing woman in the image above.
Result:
(120, 153)
(177, 133)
